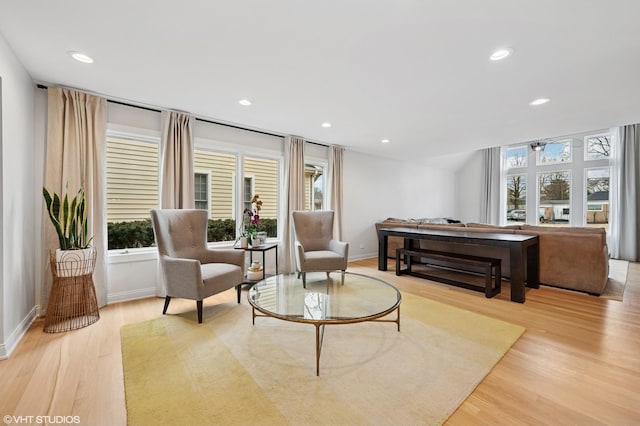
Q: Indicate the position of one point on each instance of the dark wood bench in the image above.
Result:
(461, 262)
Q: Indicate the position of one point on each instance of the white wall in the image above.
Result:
(17, 286)
(468, 189)
(376, 188)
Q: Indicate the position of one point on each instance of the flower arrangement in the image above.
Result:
(251, 218)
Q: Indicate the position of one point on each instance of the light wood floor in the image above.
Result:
(578, 363)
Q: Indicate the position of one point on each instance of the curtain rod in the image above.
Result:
(113, 101)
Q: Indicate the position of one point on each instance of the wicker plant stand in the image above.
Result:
(72, 303)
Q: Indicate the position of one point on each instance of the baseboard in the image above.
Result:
(362, 256)
(7, 347)
(125, 296)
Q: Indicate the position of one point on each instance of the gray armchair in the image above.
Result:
(191, 270)
(316, 250)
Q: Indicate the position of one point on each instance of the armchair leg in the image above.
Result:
(199, 307)
(304, 280)
(239, 289)
(167, 299)
(342, 276)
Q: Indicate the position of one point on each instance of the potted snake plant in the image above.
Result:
(69, 218)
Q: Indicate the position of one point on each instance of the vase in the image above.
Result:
(74, 263)
(255, 242)
(243, 242)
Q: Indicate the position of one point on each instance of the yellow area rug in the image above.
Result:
(226, 371)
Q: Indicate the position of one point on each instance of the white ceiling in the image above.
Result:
(414, 71)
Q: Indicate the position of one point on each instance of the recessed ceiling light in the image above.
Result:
(244, 102)
(326, 125)
(540, 101)
(385, 141)
(81, 57)
(501, 54)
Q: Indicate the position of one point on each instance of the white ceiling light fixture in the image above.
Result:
(385, 141)
(244, 102)
(81, 57)
(326, 124)
(539, 101)
(501, 54)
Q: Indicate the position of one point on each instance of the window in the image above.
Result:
(201, 185)
(262, 178)
(516, 198)
(597, 197)
(516, 157)
(555, 152)
(314, 187)
(554, 197)
(597, 147)
(555, 187)
(132, 190)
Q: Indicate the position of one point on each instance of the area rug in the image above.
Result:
(617, 281)
(226, 371)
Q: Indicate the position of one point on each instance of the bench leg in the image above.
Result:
(487, 281)
(498, 277)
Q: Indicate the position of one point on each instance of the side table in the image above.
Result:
(263, 248)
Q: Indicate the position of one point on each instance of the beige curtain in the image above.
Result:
(294, 193)
(75, 158)
(176, 169)
(176, 161)
(335, 188)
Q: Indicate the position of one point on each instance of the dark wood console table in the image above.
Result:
(523, 251)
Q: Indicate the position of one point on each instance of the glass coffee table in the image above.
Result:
(325, 301)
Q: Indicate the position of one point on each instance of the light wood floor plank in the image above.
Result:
(577, 363)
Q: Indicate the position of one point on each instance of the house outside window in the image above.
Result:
(215, 191)
(262, 177)
(132, 190)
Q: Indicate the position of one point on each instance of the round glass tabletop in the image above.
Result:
(325, 300)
